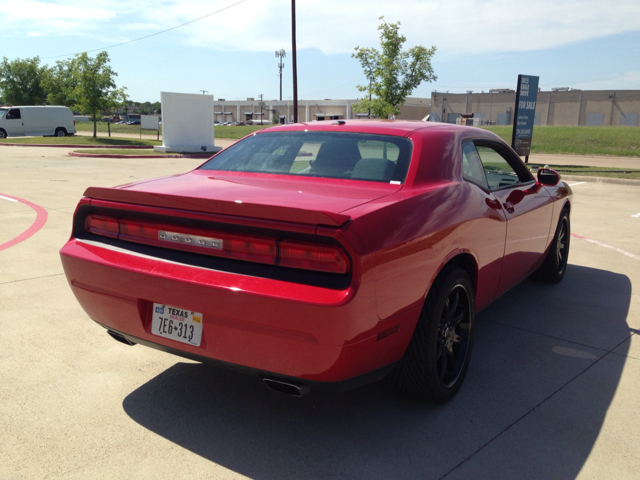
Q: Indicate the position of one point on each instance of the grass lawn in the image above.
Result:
(236, 133)
(224, 131)
(78, 140)
(103, 127)
(615, 141)
(597, 171)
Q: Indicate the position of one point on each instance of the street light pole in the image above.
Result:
(293, 61)
(281, 54)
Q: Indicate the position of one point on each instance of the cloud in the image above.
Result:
(337, 26)
(615, 81)
(459, 26)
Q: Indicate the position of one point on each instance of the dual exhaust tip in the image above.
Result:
(279, 386)
(286, 387)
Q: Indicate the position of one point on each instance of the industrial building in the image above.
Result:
(308, 110)
(561, 106)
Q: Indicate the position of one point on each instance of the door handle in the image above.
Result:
(508, 207)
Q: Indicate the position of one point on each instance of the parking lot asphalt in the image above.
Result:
(553, 389)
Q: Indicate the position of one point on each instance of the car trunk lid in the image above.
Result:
(266, 196)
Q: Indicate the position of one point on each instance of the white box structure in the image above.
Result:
(187, 123)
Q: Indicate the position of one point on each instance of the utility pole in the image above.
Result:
(293, 61)
(281, 54)
(204, 91)
(261, 114)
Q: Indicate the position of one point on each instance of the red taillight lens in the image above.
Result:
(102, 225)
(251, 248)
(313, 257)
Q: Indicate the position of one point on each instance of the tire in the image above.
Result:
(554, 265)
(436, 360)
(61, 132)
(3, 134)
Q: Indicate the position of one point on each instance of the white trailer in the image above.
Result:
(36, 121)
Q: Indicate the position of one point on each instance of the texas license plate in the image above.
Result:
(177, 324)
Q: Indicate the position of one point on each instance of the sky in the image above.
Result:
(228, 48)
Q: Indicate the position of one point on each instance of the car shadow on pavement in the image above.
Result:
(541, 379)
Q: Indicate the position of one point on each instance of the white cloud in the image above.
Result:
(455, 27)
(616, 81)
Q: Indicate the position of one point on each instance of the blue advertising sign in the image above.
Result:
(525, 113)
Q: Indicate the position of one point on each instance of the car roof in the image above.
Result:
(384, 127)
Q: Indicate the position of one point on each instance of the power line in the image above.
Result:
(147, 36)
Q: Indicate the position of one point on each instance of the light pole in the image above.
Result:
(261, 105)
(293, 61)
(281, 54)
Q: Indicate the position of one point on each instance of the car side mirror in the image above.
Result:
(548, 177)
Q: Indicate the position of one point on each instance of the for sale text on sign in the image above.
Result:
(525, 114)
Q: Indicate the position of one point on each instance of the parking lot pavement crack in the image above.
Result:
(59, 211)
(533, 409)
(32, 278)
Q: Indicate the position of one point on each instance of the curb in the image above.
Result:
(130, 147)
(109, 155)
(585, 178)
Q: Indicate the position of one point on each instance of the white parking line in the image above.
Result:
(574, 184)
(600, 244)
(7, 198)
(637, 215)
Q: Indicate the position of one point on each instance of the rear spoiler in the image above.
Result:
(204, 205)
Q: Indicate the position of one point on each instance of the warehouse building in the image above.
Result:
(561, 106)
(308, 110)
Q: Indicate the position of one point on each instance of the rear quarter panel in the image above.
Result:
(412, 234)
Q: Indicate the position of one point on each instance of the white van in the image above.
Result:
(36, 121)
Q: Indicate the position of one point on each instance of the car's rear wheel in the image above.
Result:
(61, 132)
(436, 361)
(555, 263)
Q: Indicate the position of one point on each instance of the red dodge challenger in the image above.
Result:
(323, 255)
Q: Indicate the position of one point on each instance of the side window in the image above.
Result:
(472, 170)
(498, 171)
(13, 114)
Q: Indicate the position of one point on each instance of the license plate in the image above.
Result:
(177, 324)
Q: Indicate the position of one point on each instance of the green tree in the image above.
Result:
(86, 84)
(59, 82)
(21, 81)
(392, 73)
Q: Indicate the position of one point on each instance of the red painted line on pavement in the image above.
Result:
(600, 244)
(41, 219)
(131, 147)
(112, 155)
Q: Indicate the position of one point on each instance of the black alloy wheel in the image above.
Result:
(562, 245)
(436, 360)
(454, 333)
(554, 265)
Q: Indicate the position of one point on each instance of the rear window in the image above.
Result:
(358, 156)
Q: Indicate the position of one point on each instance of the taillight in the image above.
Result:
(286, 253)
(102, 225)
(313, 257)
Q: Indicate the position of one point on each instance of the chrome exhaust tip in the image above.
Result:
(120, 338)
(286, 387)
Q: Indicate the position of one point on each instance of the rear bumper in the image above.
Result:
(335, 386)
(268, 326)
